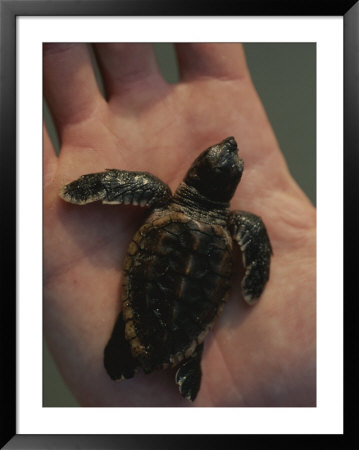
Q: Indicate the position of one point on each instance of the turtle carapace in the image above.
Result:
(179, 264)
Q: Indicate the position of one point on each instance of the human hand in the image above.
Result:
(255, 356)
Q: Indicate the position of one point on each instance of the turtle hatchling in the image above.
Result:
(179, 264)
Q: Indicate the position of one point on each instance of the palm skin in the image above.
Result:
(255, 356)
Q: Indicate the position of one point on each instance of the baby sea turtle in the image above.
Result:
(178, 269)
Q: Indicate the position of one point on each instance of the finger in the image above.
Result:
(124, 66)
(50, 158)
(211, 60)
(69, 83)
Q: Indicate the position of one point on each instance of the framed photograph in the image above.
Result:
(132, 93)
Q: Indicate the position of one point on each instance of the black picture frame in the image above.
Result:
(9, 10)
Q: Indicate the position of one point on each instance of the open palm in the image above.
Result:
(255, 356)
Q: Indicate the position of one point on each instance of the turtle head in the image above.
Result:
(217, 171)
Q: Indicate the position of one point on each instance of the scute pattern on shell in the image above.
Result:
(177, 276)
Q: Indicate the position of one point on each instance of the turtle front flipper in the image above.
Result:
(118, 359)
(118, 187)
(249, 232)
(189, 374)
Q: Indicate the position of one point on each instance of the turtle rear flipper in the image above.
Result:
(249, 232)
(189, 374)
(118, 359)
(118, 187)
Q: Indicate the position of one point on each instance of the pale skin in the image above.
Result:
(262, 355)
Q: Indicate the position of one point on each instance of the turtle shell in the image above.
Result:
(176, 279)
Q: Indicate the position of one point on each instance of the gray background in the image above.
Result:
(285, 78)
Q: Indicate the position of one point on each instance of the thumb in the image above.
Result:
(50, 159)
